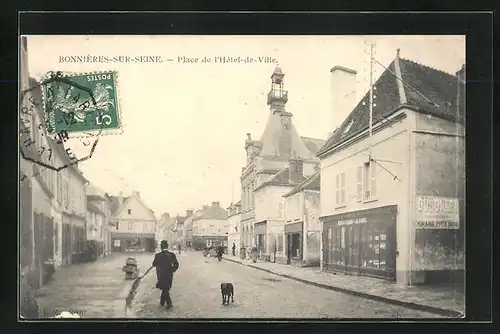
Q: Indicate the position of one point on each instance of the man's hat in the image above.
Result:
(163, 244)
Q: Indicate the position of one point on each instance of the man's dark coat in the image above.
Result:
(166, 265)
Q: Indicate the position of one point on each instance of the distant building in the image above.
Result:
(179, 237)
(303, 227)
(234, 226)
(135, 224)
(210, 227)
(266, 158)
(392, 205)
(99, 221)
(188, 228)
(164, 229)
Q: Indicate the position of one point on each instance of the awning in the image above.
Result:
(294, 228)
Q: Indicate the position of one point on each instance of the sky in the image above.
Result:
(185, 124)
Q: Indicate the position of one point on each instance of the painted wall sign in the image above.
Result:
(435, 212)
(362, 220)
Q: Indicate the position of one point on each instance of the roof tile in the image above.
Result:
(437, 86)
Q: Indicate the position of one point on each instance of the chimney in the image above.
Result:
(296, 170)
(189, 213)
(120, 198)
(343, 95)
(215, 204)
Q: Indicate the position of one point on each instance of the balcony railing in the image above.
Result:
(277, 95)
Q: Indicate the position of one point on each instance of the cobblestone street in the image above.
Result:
(92, 290)
(196, 294)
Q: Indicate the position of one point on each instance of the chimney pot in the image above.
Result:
(215, 203)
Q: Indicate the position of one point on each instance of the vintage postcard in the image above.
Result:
(317, 177)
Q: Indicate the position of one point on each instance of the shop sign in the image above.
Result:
(435, 212)
(116, 243)
(362, 220)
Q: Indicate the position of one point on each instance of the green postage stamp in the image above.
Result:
(82, 103)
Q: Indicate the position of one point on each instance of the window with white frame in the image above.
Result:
(340, 189)
(367, 181)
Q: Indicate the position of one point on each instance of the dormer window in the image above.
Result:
(348, 127)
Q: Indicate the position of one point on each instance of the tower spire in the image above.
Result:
(277, 96)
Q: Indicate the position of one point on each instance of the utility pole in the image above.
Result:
(372, 46)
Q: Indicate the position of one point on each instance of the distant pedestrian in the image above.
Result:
(234, 249)
(179, 249)
(166, 265)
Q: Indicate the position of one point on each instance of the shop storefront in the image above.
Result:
(294, 244)
(133, 242)
(362, 242)
(201, 241)
(260, 230)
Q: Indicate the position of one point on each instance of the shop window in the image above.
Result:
(353, 245)
(329, 243)
(340, 189)
(376, 254)
(338, 245)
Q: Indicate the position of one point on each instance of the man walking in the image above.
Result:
(166, 265)
(234, 249)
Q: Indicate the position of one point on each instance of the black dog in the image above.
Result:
(227, 291)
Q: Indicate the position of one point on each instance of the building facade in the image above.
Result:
(164, 230)
(99, 221)
(210, 227)
(188, 228)
(135, 224)
(302, 226)
(266, 158)
(96, 231)
(234, 227)
(392, 203)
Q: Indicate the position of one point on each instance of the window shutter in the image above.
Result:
(342, 188)
(337, 190)
(359, 183)
(373, 179)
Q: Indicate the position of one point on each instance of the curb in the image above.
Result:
(397, 302)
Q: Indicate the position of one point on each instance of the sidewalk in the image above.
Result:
(92, 290)
(441, 301)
